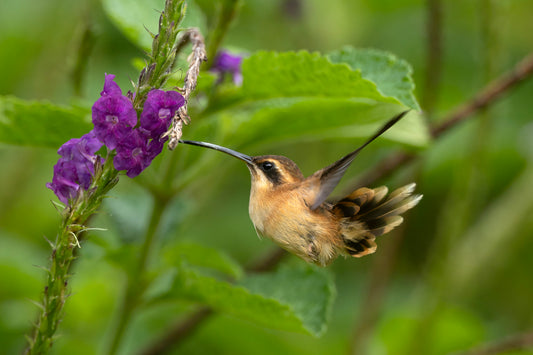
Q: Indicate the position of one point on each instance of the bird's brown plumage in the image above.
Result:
(292, 210)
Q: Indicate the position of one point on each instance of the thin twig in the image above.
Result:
(515, 342)
(178, 332)
(195, 59)
(494, 90)
(268, 262)
(227, 13)
(434, 56)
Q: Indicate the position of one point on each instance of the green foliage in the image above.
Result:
(294, 96)
(308, 290)
(40, 124)
(392, 76)
(290, 299)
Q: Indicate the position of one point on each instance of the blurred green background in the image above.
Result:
(459, 273)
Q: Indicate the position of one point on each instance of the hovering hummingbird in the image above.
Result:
(292, 210)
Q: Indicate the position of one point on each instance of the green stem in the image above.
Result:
(136, 281)
(56, 292)
(226, 15)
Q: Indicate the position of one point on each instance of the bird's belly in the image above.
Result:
(302, 232)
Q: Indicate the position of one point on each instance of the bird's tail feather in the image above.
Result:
(368, 213)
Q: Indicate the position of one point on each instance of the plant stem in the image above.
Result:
(227, 13)
(136, 281)
(433, 56)
(55, 292)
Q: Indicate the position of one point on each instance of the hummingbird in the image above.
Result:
(292, 210)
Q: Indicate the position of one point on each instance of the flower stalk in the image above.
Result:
(82, 178)
(56, 292)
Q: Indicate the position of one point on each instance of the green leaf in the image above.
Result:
(296, 300)
(40, 123)
(392, 76)
(291, 74)
(308, 290)
(134, 18)
(304, 96)
(198, 255)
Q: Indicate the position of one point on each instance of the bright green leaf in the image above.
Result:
(40, 123)
(303, 74)
(304, 96)
(296, 300)
(309, 291)
(392, 76)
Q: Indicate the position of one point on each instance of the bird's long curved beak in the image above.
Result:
(245, 158)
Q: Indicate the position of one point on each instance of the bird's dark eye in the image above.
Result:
(267, 166)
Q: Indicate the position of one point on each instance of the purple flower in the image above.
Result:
(228, 63)
(110, 87)
(64, 188)
(81, 149)
(132, 154)
(75, 168)
(114, 118)
(159, 108)
(155, 147)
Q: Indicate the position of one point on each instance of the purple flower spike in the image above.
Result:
(226, 62)
(114, 118)
(110, 87)
(159, 108)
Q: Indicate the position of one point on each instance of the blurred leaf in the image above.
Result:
(392, 76)
(281, 300)
(202, 256)
(160, 284)
(40, 123)
(133, 18)
(124, 258)
(130, 211)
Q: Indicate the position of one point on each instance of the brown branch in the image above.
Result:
(197, 56)
(268, 262)
(515, 342)
(485, 97)
(178, 332)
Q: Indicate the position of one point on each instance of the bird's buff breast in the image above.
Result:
(290, 223)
